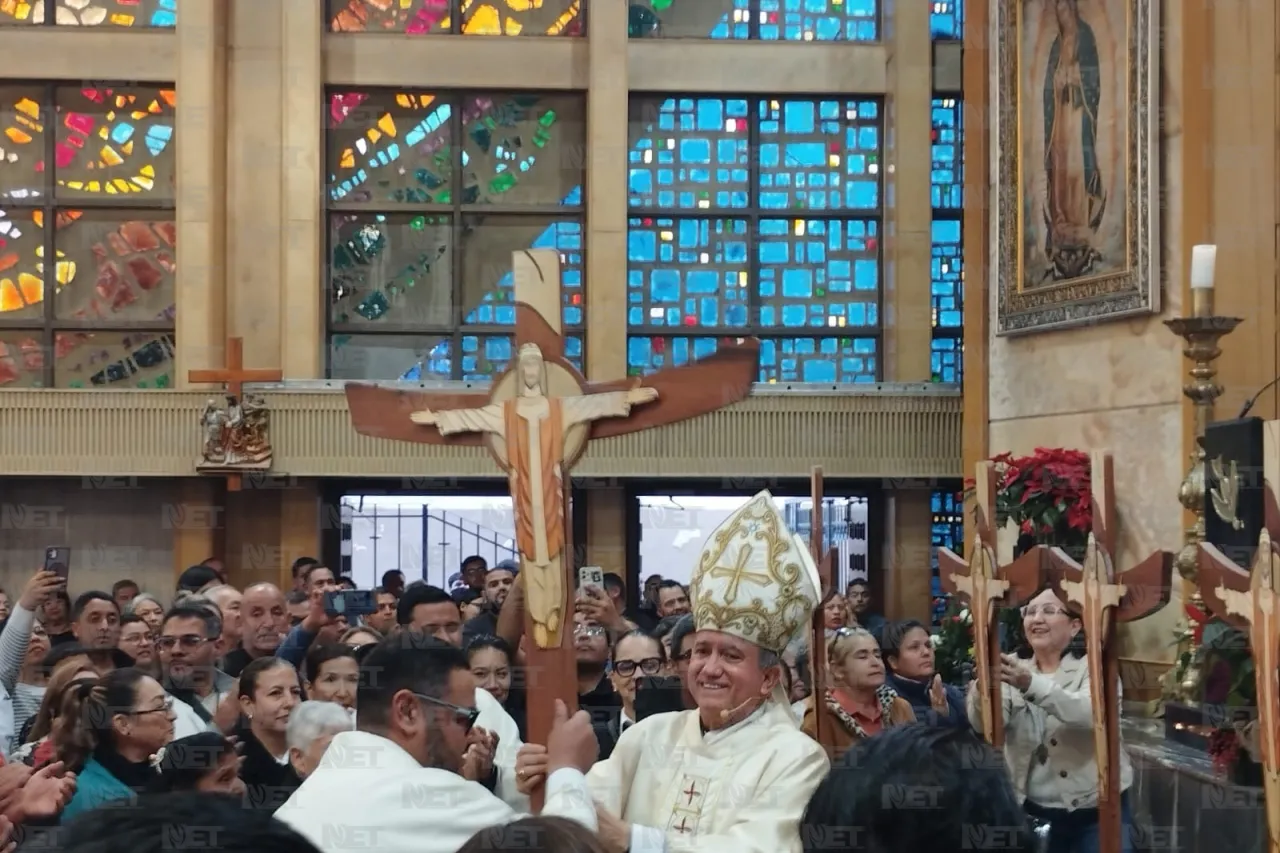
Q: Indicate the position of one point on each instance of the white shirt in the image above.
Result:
(368, 793)
(186, 721)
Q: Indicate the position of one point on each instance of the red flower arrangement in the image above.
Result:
(1048, 495)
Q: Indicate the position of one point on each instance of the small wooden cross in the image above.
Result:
(988, 586)
(233, 377)
(825, 560)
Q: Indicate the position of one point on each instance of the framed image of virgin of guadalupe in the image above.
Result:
(1077, 139)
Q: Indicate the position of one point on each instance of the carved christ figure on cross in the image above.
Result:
(533, 427)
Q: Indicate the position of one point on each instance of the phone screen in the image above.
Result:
(58, 560)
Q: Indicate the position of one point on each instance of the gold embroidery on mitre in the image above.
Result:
(752, 580)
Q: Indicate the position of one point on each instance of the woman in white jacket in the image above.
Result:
(1049, 731)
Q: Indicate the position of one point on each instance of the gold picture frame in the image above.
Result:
(1077, 151)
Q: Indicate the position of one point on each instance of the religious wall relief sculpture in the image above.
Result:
(533, 427)
(235, 434)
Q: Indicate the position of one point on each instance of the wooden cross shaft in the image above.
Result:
(825, 560)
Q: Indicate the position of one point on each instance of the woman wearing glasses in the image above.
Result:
(635, 656)
(269, 691)
(1049, 729)
(108, 732)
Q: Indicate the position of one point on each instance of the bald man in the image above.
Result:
(264, 621)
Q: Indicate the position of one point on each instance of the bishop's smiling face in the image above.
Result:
(725, 677)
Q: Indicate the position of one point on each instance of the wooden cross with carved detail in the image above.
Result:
(1104, 599)
(233, 377)
(825, 559)
(987, 586)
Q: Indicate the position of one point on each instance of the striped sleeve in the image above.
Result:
(14, 641)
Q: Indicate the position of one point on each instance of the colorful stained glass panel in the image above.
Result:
(21, 265)
(819, 155)
(946, 19)
(688, 272)
(487, 280)
(23, 115)
(819, 20)
(113, 360)
(115, 142)
(801, 359)
(389, 147)
(690, 153)
(428, 359)
(21, 360)
(479, 17)
(698, 19)
(947, 297)
(948, 177)
(391, 269)
(947, 531)
(117, 266)
(136, 14)
(819, 273)
(523, 149)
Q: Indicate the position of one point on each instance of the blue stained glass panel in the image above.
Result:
(947, 297)
(689, 153)
(498, 306)
(687, 272)
(819, 155)
(947, 136)
(946, 20)
(430, 358)
(819, 20)
(819, 273)
(801, 359)
(947, 531)
(692, 19)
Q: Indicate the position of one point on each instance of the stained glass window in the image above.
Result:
(771, 20)
(946, 20)
(477, 17)
(429, 195)
(947, 268)
(137, 14)
(756, 216)
(95, 193)
(947, 531)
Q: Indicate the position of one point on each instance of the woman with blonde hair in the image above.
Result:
(858, 703)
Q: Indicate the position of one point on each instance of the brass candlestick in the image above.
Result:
(1202, 332)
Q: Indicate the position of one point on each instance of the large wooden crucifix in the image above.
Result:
(536, 420)
(1105, 599)
(824, 558)
(989, 587)
(1250, 602)
(233, 377)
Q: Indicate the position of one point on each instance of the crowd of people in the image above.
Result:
(256, 718)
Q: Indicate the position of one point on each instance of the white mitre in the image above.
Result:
(755, 579)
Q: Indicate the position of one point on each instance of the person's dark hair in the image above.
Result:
(296, 596)
(86, 598)
(159, 823)
(302, 564)
(346, 582)
(892, 635)
(958, 782)
(857, 582)
(63, 596)
(84, 721)
(196, 578)
(534, 835)
(474, 558)
(613, 583)
(307, 571)
(418, 595)
(208, 615)
(665, 625)
(319, 655)
(464, 595)
(409, 661)
(488, 641)
(683, 628)
(250, 674)
(662, 652)
(670, 584)
(58, 654)
(803, 667)
(122, 585)
(390, 575)
(131, 618)
(188, 760)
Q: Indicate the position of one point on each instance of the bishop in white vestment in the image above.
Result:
(735, 775)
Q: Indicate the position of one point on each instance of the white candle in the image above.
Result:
(1202, 261)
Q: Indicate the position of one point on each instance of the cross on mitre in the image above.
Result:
(1250, 601)
(1105, 599)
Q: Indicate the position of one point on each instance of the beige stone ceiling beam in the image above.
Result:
(70, 53)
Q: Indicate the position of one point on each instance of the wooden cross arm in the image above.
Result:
(1213, 570)
(1026, 575)
(951, 564)
(705, 386)
(1148, 587)
(384, 413)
